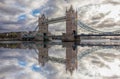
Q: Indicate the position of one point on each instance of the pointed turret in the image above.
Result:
(71, 8)
(71, 23)
(43, 27)
(43, 16)
(66, 9)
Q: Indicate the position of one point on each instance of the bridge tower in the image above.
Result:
(43, 28)
(71, 25)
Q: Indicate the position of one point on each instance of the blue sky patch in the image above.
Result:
(35, 12)
(22, 17)
(22, 63)
(36, 68)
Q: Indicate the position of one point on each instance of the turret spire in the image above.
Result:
(71, 8)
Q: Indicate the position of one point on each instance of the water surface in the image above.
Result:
(37, 60)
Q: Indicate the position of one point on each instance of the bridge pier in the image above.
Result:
(71, 26)
(43, 32)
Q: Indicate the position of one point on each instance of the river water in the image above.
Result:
(38, 60)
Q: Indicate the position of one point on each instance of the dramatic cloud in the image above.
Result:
(101, 16)
(15, 11)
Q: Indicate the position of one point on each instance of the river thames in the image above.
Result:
(57, 60)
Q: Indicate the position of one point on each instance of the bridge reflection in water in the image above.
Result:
(72, 54)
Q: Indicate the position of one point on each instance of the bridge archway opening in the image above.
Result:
(44, 34)
(74, 32)
(45, 45)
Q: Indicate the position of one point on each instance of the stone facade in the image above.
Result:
(71, 25)
(43, 28)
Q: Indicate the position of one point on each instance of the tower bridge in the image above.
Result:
(41, 32)
(72, 22)
(71, 25)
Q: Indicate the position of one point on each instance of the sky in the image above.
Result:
(22, 15)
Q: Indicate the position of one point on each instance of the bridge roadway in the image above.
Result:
(79, 35)
(59, 37)
(102, 34)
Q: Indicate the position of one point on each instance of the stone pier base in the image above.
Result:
(70, 38)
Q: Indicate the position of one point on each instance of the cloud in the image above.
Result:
(101, 16)
(9, 9)
(12, 11)
(115, 2)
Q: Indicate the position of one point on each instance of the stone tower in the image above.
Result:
(71, 25)
(43, 28)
